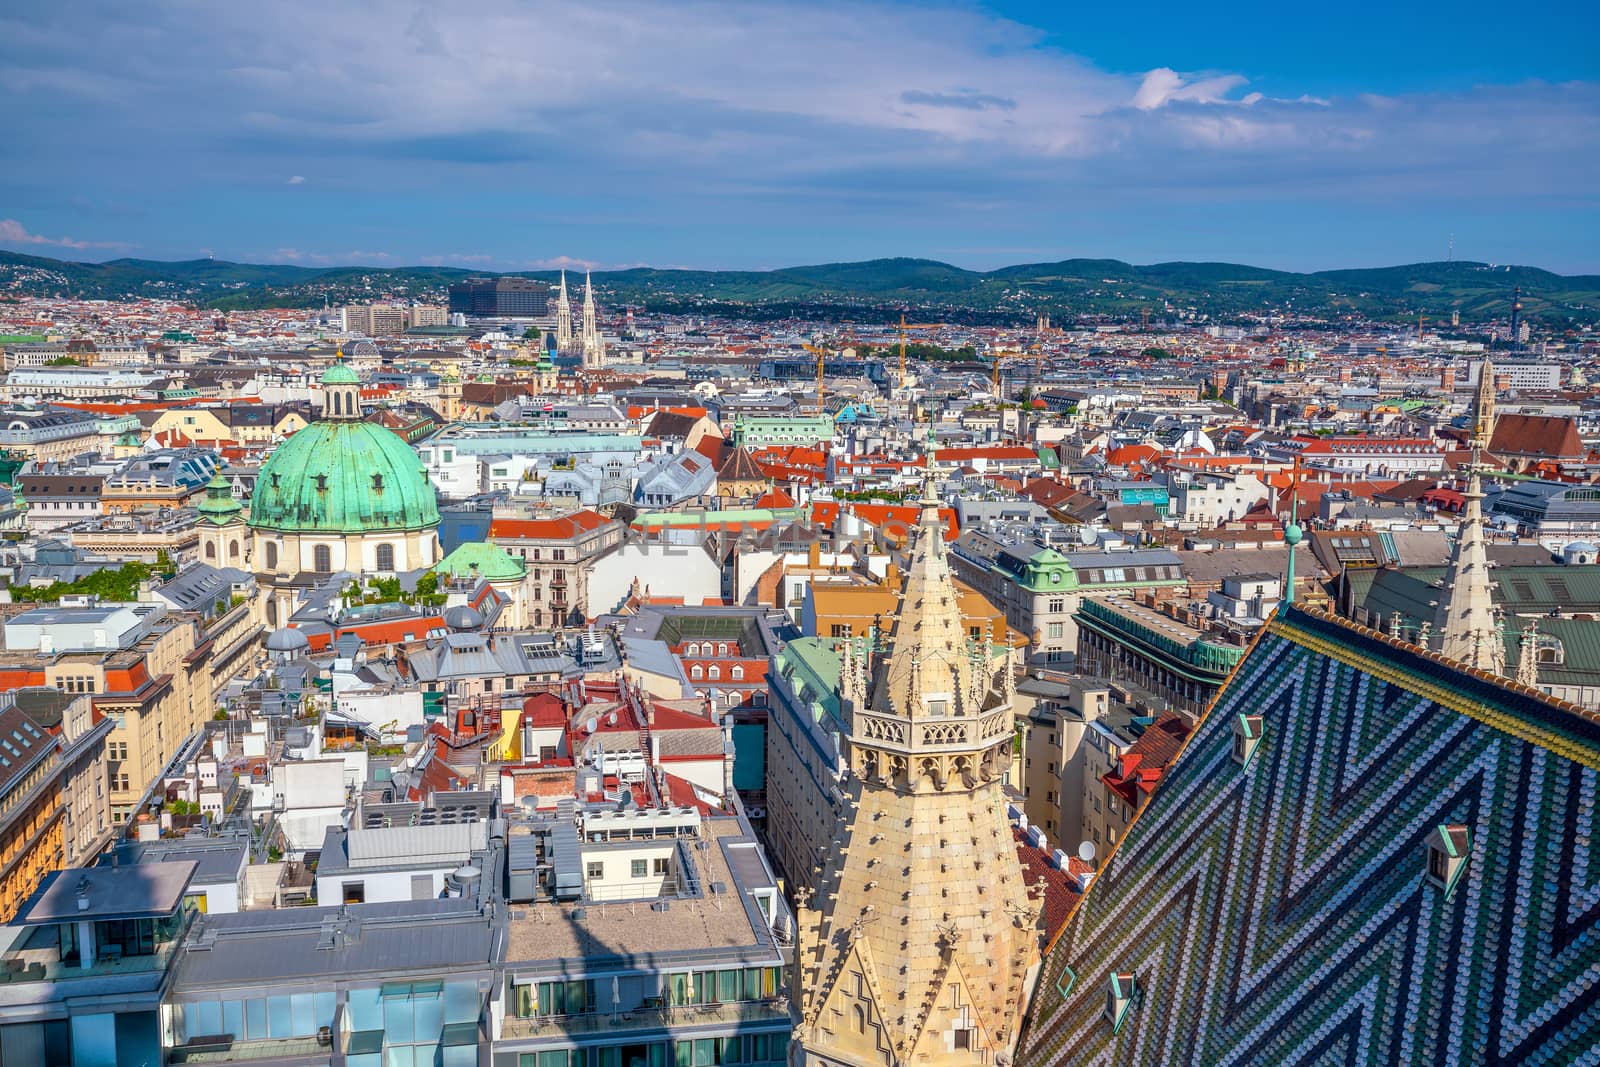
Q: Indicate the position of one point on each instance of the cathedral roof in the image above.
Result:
(1286, 909)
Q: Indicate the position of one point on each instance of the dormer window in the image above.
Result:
(1119, 998)
(1449, 846)
(322, 483)
(1247, 732)
(377, 481)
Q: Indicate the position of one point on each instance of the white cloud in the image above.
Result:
(297, 179)
(14, 232)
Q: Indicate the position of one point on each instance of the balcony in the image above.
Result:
(657, 1019)
(39, 960)
(298, 1048)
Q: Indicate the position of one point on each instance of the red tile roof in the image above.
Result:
(547, 529)
(1550, 436)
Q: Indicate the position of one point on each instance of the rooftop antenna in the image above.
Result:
(1452, 256)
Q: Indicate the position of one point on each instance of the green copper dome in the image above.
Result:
(479, 559)
(343, 476)
(340, 374)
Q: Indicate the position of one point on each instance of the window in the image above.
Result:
(737, 674)
(322, 559)
(858, 1021)
(322, 482)
(377, 482)
(714, 673)
(272, 556)
(639, 868)
(566, 998)
(597, 869)
(354, 892)
(1057, 606)
(1055, 630)
(839, 630)
(386, 557)
(661, 865)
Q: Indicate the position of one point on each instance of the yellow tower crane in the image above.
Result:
(822, 368)
(904, 326)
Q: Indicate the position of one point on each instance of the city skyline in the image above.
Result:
(717, 136)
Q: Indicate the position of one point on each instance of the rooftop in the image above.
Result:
(140, 891)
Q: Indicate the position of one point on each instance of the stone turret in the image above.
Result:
(915, 942)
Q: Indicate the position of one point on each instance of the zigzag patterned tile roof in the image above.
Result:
(1279, 913)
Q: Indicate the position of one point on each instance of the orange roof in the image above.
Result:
(1130, 454)
(547, 529)
(968, 454)
(380, 633)
(894, 518)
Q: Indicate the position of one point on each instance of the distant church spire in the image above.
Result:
(593, 347)
(563, 317)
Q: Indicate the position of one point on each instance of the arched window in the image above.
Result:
(322, 559)
(272, 556)
(858, 1019)
(272, 613)
(211, 550)
(692, 649)
(233, 550)
(737, 674)
(714, 673)
(696, 673)
(386, 557)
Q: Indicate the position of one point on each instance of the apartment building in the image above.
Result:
(558, 553)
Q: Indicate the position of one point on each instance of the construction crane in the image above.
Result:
(904, 326)
(822, 369)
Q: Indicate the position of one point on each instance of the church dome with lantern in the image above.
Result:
(343, 494)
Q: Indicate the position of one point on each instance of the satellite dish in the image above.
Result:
(1086, 852)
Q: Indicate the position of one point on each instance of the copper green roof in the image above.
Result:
(219, 507)
(479, 559)
(343, 476)
(340, 374)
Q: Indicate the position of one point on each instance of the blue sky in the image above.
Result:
(509, 134)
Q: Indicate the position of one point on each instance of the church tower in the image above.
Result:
(224, 538)
(1483, 410)
(916, 944)
(594, 348)
(563, 317)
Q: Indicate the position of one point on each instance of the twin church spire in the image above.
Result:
(589, 342)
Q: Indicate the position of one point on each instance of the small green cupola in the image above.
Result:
(341, 391)
(219, 507)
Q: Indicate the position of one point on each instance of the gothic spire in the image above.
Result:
(1528, 655)
(1465, 620)
(563, 316)
(929, 673)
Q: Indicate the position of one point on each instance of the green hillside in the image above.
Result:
(877, 289)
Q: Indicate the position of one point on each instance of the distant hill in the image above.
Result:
(876, 290)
